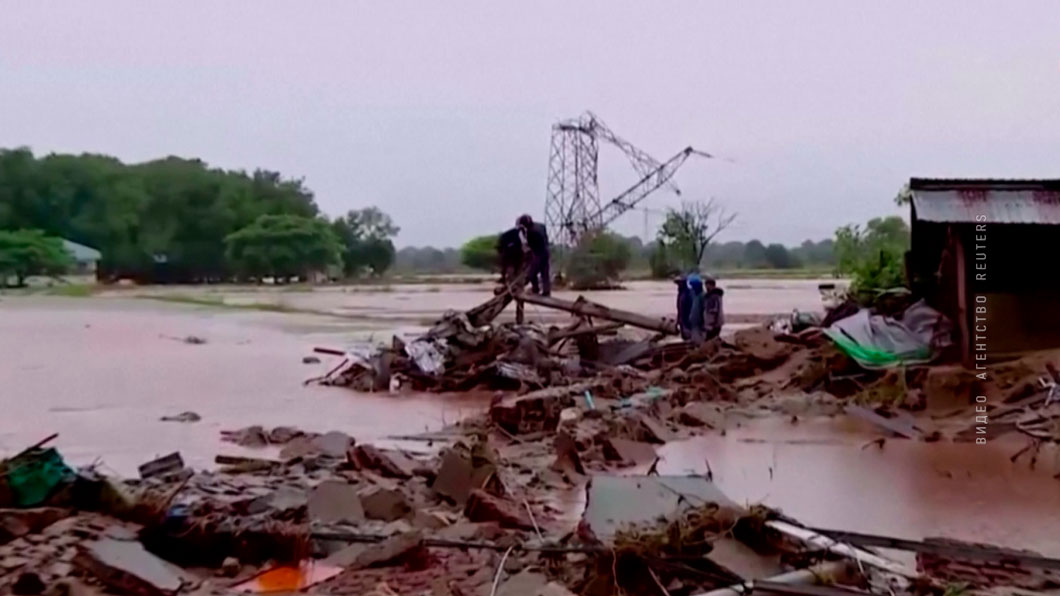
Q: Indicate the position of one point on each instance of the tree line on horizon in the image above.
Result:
(725, 256)
(179, 220)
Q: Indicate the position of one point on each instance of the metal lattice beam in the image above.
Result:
(572, 200)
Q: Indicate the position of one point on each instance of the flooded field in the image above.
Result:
(101, 372)
(382, 306)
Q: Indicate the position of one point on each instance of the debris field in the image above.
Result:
(486, 510)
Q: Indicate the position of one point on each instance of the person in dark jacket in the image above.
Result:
(699, 309)
(682, 306)
(713, 313)
(512, 251)
(694, 320)
(537, 238)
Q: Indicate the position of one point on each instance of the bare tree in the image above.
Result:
(688, 231)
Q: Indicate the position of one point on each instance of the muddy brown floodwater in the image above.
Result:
(102, 371)
(822, 473)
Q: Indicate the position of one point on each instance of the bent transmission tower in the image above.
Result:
(572, 201)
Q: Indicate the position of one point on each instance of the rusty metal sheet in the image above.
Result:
(1022, 206)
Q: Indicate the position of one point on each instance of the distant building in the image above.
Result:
(85, 257)
(981, 253)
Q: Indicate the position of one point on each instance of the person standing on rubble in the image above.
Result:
(713, 313)
(512, 251)
(699, 309)
(690, 309)
(537, 239)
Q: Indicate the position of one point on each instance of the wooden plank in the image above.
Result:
(770, 587)
(966, 551)
(1018, 405)
(962, 300)
(597, 330)
(591, 309)
(816, 539)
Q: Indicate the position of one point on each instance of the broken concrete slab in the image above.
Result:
(333, 443)
(539, 410)
(652, 430)
(523, 583)
(699, 413)
(298, 448)
(335, 501)
(484, 507)
(386, 504)
(567, 457)
(629, 452)
(616, 501)
(129, 568)
(403, 548)
(454, 479)
(283, 500)
(389, 463)
(347, 555)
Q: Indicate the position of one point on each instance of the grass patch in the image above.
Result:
(187, 299)
(73, 290)
(217, 302)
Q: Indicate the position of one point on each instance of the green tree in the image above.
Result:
(661, 262)
(365, 235)
(754, 254)
(873, 256)
(283, 246)
(30, 252)
(598, 261)
(778, 257)
(480, 253)
(686, 232)
(174, 211)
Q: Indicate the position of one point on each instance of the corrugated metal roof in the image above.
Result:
(984, 183)
(81, 252)
(966, 205)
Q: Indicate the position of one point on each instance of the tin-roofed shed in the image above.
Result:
(988, 243)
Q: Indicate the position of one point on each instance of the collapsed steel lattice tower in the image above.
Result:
(572, 201)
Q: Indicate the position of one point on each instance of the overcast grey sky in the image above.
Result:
(440, 112)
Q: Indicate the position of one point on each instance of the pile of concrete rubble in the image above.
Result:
(553, 491)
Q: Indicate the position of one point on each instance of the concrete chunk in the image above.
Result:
(385, 504)
(616, 501)
(629, 452)
(128, 568)
(335, 501)
(333, 443)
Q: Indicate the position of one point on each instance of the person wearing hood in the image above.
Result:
(699, 309)
(713, 313)
(690, 309)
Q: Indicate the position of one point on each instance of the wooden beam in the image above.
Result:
(962, 299)
(591, 309)
(966, 551)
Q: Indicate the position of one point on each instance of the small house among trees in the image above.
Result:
(85, 258)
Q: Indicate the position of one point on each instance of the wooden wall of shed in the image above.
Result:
(1021, 288)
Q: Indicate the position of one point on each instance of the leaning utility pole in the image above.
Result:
(572, 200)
